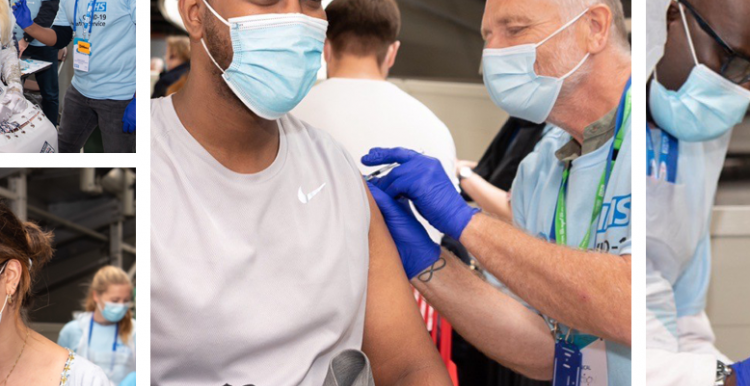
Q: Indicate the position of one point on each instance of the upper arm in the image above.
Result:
(395, 337)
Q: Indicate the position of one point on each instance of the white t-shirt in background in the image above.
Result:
(366, 113)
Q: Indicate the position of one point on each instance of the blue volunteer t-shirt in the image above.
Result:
(112, 64)
(533, 199)
(34, 6)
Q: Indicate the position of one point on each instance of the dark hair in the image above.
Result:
(27, 243)
(363, 27)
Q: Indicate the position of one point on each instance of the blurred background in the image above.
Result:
(91, 213)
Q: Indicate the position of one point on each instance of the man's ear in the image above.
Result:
(327, 51)
(192, 17)
(390, 57)
(600, 27)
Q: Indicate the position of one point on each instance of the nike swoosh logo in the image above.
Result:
(305, 198)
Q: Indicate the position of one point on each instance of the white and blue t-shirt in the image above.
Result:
(534, 196)
(111, 72)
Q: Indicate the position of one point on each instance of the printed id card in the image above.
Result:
(582, 362)
(81, 54)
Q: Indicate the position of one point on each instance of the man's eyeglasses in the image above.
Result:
(736, 67)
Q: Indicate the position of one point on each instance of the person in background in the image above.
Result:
(356, 105)
(15, 111)
(178, 65)
(43, 12)
(102, 93)
(105, 332)
(27, 357)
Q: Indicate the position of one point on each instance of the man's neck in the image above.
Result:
(597, 95)
(354, 67)
(226, 128)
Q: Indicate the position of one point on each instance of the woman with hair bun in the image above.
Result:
(27, 357)
(105, 333)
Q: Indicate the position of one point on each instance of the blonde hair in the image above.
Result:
(180, 47)
(6, 23)
(102, 280)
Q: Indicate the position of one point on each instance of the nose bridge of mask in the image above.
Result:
(562, 28)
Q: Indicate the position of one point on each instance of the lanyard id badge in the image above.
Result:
(580, 360)
(81, 54)
(82, 46)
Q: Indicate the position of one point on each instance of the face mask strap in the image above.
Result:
(210, 8)
(211, 56)
(566, 25)
(576, 67)
(687, 32)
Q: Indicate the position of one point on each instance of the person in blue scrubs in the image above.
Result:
(699, 91)
(43, 12)
(567, 254)
(105, 332)
(102, 93)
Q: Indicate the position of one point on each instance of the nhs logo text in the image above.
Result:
(615, 213)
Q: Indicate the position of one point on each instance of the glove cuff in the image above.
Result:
(431, 255)
(462, 218)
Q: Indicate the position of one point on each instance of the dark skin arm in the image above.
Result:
(47, 36)
(395, 339)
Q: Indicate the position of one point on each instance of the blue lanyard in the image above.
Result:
(666, 168)
(623, 112)
(117, 332)
(75, 17)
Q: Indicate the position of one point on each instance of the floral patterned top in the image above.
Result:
(78, 371)
(66, 370)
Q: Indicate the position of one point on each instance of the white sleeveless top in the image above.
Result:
(256, 278)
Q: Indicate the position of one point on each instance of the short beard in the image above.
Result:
(221, 50)
(564, 60)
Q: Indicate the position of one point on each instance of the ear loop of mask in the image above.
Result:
(204, 43)
(687, 32)
(5, 302)
(565, 26)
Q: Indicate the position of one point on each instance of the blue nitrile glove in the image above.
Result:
(422, 180)
(22, 14)
(742, 372)
(129, 380)
(128, 120)
(414, 245)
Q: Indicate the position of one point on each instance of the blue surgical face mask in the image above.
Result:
(276, 60)
(114, 312)
(513, 84)
(704, 108)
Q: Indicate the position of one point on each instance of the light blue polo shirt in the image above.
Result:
(112, 64)
(34, 6)
(533, 199)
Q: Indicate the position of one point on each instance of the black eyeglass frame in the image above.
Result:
(733, 55)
